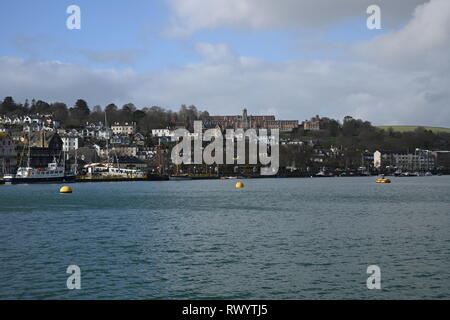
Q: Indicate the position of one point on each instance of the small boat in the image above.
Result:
(382, 179)
(322, 174)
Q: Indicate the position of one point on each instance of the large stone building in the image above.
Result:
(8, 155)
(312, 125)
(246, 121)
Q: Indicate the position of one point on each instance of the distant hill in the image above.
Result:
(412, 128)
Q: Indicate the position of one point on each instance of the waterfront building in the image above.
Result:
(45, 147)
(414, 162)
(442, 158)
(84, 156)
(8, 155)
(377, 159)
(127, 163)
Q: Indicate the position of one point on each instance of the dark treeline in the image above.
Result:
(356, 133)
(354, 137)
(80, 113)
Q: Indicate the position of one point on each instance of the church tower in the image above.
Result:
(245, 119)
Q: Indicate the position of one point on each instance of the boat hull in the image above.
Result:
(14, 180)
(179, 178)
(157, 177)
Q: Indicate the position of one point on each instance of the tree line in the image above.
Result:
(355, 137)
(80, 113)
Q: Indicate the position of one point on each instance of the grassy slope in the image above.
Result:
(412, 128)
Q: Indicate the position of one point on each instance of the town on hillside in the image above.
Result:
(90, 144)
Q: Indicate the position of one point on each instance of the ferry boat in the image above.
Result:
(125, 173)
(109, 171)
(52, 173)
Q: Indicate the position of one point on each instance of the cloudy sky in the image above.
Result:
(291, 58)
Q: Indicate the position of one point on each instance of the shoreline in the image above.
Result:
(107, 180)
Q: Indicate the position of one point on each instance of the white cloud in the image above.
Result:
(57, 81)
(423, 43)
(385, 88)
(189, 16)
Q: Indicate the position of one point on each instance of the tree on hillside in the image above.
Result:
(8, 106)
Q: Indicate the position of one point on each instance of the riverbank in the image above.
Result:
(192, 178)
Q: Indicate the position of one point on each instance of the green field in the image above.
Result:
(412, 128)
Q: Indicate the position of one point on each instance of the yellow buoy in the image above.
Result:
(239, 185)
(65, 189)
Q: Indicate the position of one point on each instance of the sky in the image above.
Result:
(291, 58)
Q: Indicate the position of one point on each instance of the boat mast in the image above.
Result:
(29, 152)
(107, 138)
(76, 162)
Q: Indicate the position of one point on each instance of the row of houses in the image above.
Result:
(31, 120)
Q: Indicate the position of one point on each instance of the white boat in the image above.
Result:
(127, 173)
(52, 173)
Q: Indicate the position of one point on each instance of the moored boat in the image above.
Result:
(382, 179)
(53, 173)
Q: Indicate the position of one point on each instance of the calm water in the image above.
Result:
(274, 239)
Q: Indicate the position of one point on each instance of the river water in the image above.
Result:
(274, 239)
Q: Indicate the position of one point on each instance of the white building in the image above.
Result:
(162, 133)
(70, 142)
(125, 128)
(377, 159)
(417, 161)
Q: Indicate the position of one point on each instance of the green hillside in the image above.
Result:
(412, 128)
